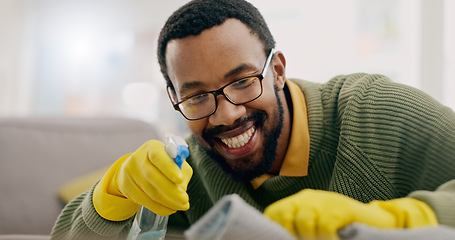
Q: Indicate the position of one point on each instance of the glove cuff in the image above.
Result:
(108, 201)
(410, 213)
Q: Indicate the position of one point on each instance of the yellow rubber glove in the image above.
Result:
(315, 213)
(147, 177)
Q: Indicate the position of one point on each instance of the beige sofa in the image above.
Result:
(41, 157)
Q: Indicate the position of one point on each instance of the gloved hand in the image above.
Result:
(311, 213)
(147, 177)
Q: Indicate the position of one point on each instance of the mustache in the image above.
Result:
(258, 117)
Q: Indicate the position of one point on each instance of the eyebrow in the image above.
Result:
(189, 85)
(242, 67)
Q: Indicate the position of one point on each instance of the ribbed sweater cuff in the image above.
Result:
(441, 201)
(98, 224)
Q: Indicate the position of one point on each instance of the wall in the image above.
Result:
(97, 58)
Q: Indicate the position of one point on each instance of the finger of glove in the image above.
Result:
(374, 215)
(139, 175)
(283, 215)
(142, 199)
(312, 223)
(143, 193)
(162, 190)
(159, 158)
(187, 172)
(165, 192)
(329, 222)
(159, 209)
(151, 182)
(144, 171)
(306, 221)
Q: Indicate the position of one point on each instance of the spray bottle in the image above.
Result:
(148, 225)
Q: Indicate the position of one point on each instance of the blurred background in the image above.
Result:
(95, 58)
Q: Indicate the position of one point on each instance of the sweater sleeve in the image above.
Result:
(442, 201)
(79, 220)
(408, 136)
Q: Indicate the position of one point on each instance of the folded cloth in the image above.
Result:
(233, 218)
(358, 231)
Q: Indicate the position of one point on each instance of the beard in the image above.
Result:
(268, 151)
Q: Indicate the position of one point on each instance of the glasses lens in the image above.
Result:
(244, 90)
(198, 106)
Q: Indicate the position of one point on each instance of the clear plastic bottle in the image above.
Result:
(148, 225)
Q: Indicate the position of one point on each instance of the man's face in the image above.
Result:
(242, 138)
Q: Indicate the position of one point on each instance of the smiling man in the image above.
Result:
(244, 123)
(314, 157)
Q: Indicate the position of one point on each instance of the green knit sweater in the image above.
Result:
(370, 138)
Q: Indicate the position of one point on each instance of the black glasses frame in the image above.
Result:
(220, 91)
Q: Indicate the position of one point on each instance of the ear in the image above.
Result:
(279, 69)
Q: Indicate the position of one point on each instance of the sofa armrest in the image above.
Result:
(25, 237)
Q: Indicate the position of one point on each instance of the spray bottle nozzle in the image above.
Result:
(177, 149)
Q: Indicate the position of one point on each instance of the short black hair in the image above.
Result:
(198, 15)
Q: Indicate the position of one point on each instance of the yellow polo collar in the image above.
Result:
(295, 163)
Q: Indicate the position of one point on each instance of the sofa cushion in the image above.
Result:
(39, 155)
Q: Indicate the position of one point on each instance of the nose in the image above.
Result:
(226, 112)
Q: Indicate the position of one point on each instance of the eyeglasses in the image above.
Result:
(239, 92)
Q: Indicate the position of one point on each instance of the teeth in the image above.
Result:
(240, 140)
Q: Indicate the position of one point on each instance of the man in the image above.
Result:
(315, 157)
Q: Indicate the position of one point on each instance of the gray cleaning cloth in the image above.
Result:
(232, 219)
(357, 231)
